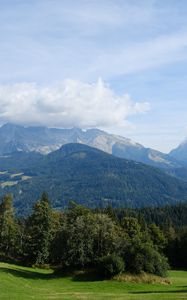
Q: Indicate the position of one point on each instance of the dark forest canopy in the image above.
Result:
(174, 215)
(110, 240)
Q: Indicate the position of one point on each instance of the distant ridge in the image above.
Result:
(45, 140)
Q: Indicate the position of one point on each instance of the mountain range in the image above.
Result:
(88, 176)
(45, 140)
(91, 166)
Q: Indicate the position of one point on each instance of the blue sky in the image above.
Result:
(54, 51)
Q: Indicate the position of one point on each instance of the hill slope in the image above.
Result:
(91, 177)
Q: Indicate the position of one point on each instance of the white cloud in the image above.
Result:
(67, 104)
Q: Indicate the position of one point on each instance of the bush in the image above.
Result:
(147, 259)
(111, 265)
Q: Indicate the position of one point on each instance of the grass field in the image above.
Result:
(25, 283)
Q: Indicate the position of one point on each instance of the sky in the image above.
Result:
(118, 65)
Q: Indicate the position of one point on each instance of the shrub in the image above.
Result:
(147, 259)
(111, 265)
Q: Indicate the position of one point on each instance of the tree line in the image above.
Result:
(109, 240)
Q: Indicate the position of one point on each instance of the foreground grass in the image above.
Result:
(26, 283)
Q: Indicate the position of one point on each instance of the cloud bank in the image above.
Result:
(70, 103)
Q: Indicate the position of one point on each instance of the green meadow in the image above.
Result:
(18, 283)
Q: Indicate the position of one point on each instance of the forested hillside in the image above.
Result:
(88, 176)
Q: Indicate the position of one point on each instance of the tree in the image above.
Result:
(108, 237)
(157, 236)
(79, 241)
(131, 226)
(8, 227)
(40, 227)
(85, 237)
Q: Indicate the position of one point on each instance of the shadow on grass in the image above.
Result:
(27, 274)
(78, 276)
(160, 292)
(86, 277)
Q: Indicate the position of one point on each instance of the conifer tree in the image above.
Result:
(40, 227)
(8, 227)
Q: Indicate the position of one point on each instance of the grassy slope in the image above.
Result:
(26, 283)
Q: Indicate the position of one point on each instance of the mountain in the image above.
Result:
(88, 176)
(180, 153)
(45, 140)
